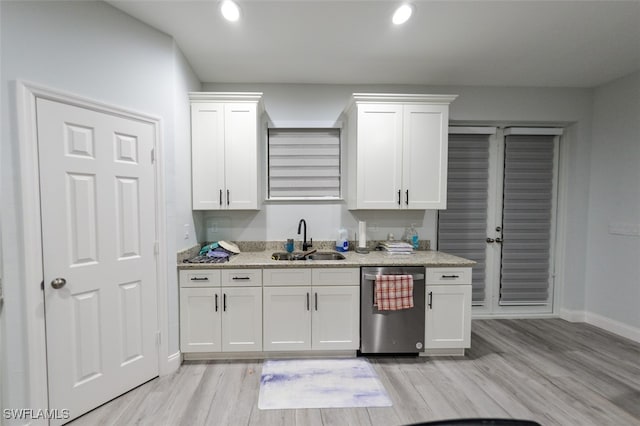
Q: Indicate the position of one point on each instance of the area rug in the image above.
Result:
(320, 383)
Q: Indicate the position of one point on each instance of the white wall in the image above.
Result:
(93, 50)
(613, 261)
(474, 105)
(178, 183)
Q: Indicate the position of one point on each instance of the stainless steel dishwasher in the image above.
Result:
(397, 332)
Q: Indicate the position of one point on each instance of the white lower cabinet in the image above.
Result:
(287, 318)
(200, 315)
(448, 308)
(241, 319)
(216, 318)
(311, 309)
(335, 318)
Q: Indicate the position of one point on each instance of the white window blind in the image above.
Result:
(526, 219)
(462, 226)
(304, 163)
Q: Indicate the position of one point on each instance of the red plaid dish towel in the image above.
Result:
(394, 292)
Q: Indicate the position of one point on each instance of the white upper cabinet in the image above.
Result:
(397, 151)
(225, 129)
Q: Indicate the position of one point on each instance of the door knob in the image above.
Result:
(490, 240)
(499, 240)
(58, 283)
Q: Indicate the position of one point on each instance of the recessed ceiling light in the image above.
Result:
(402, 14)
(230, 10)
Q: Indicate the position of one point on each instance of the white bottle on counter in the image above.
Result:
(342, 243)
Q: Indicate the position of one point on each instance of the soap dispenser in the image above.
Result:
(342, 242)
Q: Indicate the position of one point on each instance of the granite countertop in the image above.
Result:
(262, 259)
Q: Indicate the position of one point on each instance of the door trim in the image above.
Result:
(27, 94)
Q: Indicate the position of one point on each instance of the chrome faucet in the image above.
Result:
(305, 245)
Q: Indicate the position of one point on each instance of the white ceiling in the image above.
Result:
(497, 43)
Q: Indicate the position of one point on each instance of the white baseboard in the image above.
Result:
(173, 363)
(573, 316)
(602, 322)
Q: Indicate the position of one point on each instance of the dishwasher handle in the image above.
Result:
(416, 277)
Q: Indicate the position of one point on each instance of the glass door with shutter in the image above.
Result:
(501, 214)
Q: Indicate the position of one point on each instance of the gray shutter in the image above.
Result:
(304, 163)
(527, 204)
(462, 227)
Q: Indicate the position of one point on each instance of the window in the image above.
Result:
(304, 164)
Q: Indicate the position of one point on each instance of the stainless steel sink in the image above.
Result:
(319, 255)
(283, 255)
(328, 255)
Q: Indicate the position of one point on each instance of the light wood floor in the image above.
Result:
(547, 370)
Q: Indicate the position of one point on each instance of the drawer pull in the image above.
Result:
(199, 279)
(450, 276)
(241, 278)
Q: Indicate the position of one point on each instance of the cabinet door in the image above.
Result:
(424, 173)
(448, 317)
(379, 156)
(336, 318)
(207, 155)
(241, 156)
(241, 319)
(200, 311)
(287, 318)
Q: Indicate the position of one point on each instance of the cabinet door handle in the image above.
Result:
(307, 301)
(430, 300)
(228, 197)
(241, 278)
(449, 276)
(221, 197)
(216, 302)
(224, 302)
(407, 193)
(399, 192)
(199, 279)
(316, 300)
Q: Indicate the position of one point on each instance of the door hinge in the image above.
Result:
(156, 248)
(153, 155)
(158, 338)
(42, 285)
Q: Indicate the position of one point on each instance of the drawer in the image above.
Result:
(335, 276)
(448, 276)
(199, 278)
(242, 277)
(282, 277)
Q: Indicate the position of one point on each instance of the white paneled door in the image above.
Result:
(98, 232)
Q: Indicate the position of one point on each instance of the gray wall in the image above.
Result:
(489, 105)
(96, 51)
(613, 261)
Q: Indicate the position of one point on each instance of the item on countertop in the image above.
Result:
(204, 250)
(207, 259)
(396, 247)
(219, 252)
(411, 236)
(362, 234)
(342, 243)
(229, 246)
(289, 245)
